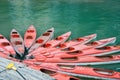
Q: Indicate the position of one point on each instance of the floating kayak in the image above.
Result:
(81, 40)
(80, 60)
(93, 52)
(87, 60)
(29, 36)
(52, 43)
(54, 74)
(40, 41)
(4, 53)
(81, 71)
(95, 44)
(17, 42)
(4, 43)
(57, 41)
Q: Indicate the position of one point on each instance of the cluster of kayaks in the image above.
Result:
(60, 58)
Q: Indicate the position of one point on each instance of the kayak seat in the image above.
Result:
(15, 36)
(72, 78)
(46, 34)
(91, 43)
(104, 57)
(62, 45)
(62, 66)
(14, 32)
(29, 37)
(74, 52)
(5, 44)
(47, 45)
(1, 37)
(49, 31)
(103, 72)
(69, 58)
(68, 49)
(59, 38)
(39, 41)
(49, 72)
(104, 48)
(80, 39)
(30, 31)
(71, 48)
(18, 43)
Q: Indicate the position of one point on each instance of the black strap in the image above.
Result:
(21, 75)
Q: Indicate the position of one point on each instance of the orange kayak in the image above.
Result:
(17, 42)
(81, 40)
(40, 41)
(4, 43)
(57, 41)
(95, 44)
(29, 36)
(81, 71)
(93, 52)
(54, 74)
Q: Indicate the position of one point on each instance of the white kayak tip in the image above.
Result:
(50, 30)
(114, 39)
(31, 26)
(13, 30)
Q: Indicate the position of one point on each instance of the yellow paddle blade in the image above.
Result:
(11, 66)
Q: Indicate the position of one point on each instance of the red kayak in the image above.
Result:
(79, 60)
(29, 36)
(4, 53)
(54, 74)
(93, 52)
(40, 41)
(81, 71)
(81, 40)
(17, 42)
(95, 44)
(57, 41)
(4, 43)
(50, 45)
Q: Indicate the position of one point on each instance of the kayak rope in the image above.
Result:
(11, 66)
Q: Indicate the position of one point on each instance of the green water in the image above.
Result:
(81, 17)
